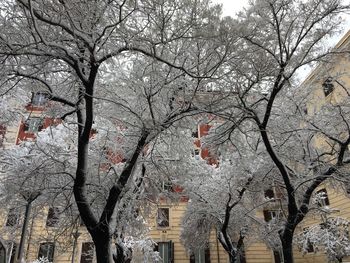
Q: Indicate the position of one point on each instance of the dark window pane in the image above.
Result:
(52, 217)
(2, 133)
(87, 252)
(167, 186)
(269, 194)
(2, 253)
(207, 255)
(202, 255)
(309, 246)
(166, 251)
(277, 256)
(33, 124)
(328, 86)
(163, 217)
(40, 98)
(47, 250)
(267, 215)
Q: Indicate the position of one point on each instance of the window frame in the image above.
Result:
(39, 99)
(204, 255)
(322, 201)
(33, 124)
(12, 215)
(90, 248)
(278, 256)
(49, 249)
(169, 253)
(271, 213)
(160, 218)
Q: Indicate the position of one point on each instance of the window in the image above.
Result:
(47, 250)
(87, 252)
(167, 186)
(278, 256)
(52, 217)
(163, 217)
(202, 255)
(328, 86)
(39, 98)
(271, 214)
(309, 246)
(33, 124)
(166, 251)
(322, 198)
(195, 133)
(12, 217)
(195, 153)
(12, 252)
(2, 253)
(2, 133)
(269, 194)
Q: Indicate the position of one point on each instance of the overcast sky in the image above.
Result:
(231, 7)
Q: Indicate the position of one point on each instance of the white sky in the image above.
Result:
(231, 7)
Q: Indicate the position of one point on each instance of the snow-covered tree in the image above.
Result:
(130, 67)
(259, 90)
(332, 236)
(223, 198)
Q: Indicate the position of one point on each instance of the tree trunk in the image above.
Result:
(233, 257)
(287, 244)
(103, 248)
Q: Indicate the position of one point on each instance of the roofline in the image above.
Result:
(345, 39)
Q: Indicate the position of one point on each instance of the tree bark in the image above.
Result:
(287, 244)
(103, 247)
(233, 257)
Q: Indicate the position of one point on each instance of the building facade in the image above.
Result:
(45, 237)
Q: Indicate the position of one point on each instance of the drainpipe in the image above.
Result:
(217, 245)
(29, 197)
(30, 236)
